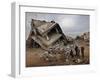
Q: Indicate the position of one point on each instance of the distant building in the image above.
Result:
(86, 36)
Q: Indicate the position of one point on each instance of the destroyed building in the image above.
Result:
(45, 34)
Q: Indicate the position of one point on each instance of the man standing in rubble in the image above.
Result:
(82, 51)
(77, 51)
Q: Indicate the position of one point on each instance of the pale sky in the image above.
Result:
(71, 24)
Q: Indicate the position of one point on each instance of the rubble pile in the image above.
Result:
(67, 54)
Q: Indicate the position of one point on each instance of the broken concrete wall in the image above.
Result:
(45, 33)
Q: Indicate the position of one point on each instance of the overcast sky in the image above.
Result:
(71, 25)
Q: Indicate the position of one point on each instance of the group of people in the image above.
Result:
(79, 52)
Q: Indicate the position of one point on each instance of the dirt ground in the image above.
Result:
(33, 58)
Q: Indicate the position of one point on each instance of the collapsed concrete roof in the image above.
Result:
(46, 33)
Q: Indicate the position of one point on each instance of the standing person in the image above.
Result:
(77, 51)
(71, 54)
(82, 51)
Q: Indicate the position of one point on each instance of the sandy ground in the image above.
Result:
(33, 57)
